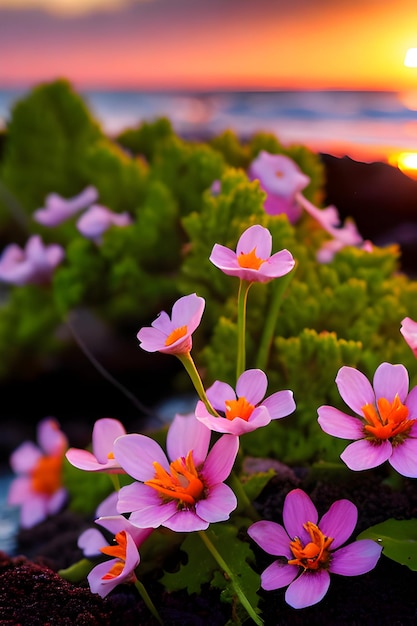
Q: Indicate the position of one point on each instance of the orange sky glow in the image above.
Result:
(268, 44)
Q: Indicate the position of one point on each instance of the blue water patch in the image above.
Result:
(9, 517)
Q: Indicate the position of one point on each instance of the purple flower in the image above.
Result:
(386, 429)
(58, 209)
(245, 410)
(33, 265)
(409, 332)
(105, 432)
(38, 487)
(281, 179)
(310, 551)
(97, 219)
(173, 335)
(252, 260)
(186, 493)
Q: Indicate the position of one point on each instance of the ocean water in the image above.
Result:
(364, 125)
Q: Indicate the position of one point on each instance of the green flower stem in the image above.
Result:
(244, 504)
(279, 287)
(115, 480)
(242, 298)
(145, 597)
(188, 363)
(234, 580)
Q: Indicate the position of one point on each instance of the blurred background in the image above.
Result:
(340, 77)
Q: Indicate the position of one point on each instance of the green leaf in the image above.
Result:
(253, 484)
(398, 538)
(201, 567)
(198, 569)
(78, 571)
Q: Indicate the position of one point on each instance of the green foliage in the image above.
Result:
(187, 169)
(95, 488)
(144, 139)
(28, 323)
(398, 539)
(201, 567)
(47, 136)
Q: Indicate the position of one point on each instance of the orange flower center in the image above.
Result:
(46, 476)
(117, 551)
(175, 335)
(239, 408)
(390, 421)
(182, 483)
(316, 553)
(249, 260)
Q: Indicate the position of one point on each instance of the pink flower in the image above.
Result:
(33, 265)
(386, 429)
(328, 218)
(310, 551)
(128, 538)
(105, 432)
(245, 410)
(252, 260)
(330, 248)
(97, 219)
(105, 576)
(38, 488)
(173, 335)
(281, 178)
(409, 332)
(186, 494)
(58, 209)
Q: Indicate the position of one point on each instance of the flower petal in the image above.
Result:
(224, 258)
(308, 589)
(404, 458)
(218, 394)
(271, 537)
(188, 311)
(137, 454)
(185, 522)
(105, 433)
(280, 404)
(220, 459)
(298, 509)
(187, 433)
(50, 437)
(339, 424)
(252, 385)
(91, 541)
(357, 558)
(354, 388)
(257, 237)
(218, 505)
(362, 454)
(278, 575)
(339, 522)
(25, 457)
(390, 380)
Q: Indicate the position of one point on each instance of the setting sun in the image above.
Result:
(410, 59)
(406, 162)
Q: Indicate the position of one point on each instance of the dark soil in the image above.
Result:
(32, 594)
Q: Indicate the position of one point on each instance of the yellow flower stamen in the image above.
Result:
(389, 420)
(239, 408)
(316, 553)
(249, 260)
(182, 483)
(176, 334)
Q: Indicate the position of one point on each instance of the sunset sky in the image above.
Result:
(204, 44)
